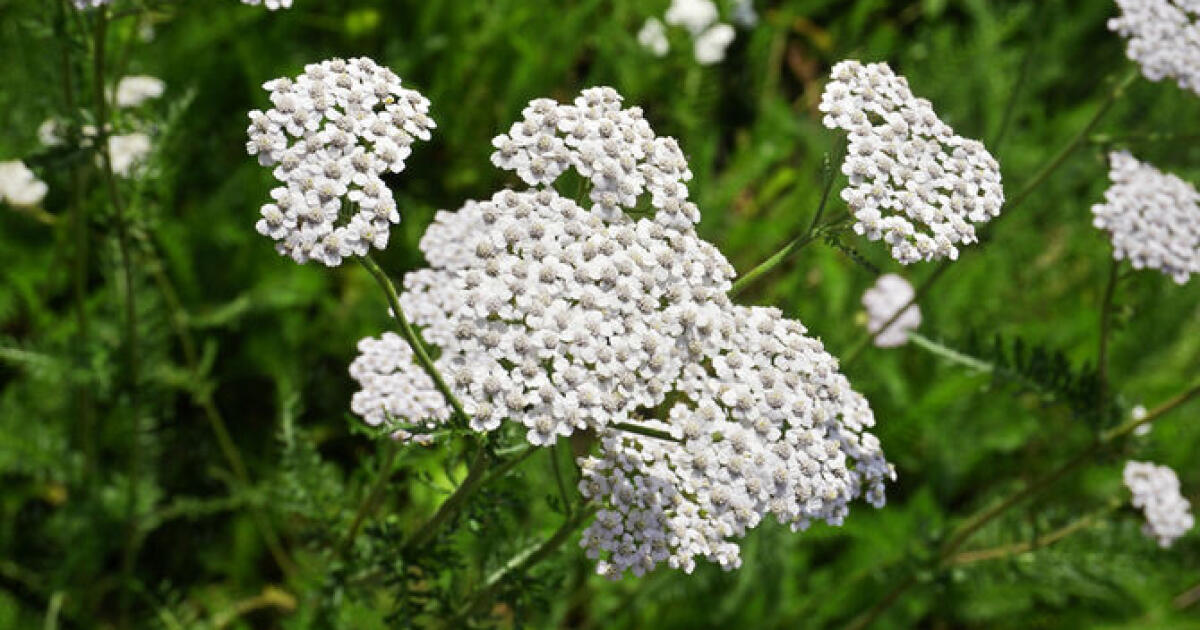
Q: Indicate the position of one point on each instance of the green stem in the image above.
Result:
(974, 523)
(645, 431)
(1106, 304)
(410, 335)
(1004, 551)
(1028, 189)
(796, 244)
(522, 562)
(477, 477)
(950, 354)
(79, 266)
(372, 498)
(558, 478)
(100, 102)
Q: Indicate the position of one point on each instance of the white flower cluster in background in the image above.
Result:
(271, 4)
(882, 301)
(614, 149)
(562, 320)
(134, 90)
(128, 151)
(1164, 38)
(700, 19)
(331, 135)
(913, 182)
(1156, 492)
(19, 187)
(1153, 218)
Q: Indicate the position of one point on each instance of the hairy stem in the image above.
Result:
(522, 562)
(410, 335)
(974, 523)
(1024, 193)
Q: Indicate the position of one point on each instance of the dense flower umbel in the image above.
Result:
(546, 315)
(767, 426)
(913, 182)
(882, 302)
(1156, 491)
(1152, 217)
(613, 148)
(332, 134)
(1164, 38)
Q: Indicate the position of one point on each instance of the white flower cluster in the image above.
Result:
(134, 90)
(699, 18)
(332, 134)
(271, 4)
(19, 187)
(882, 301)
(766, 426)
(1156, 491)
(613, 148)
(1164, 38)
(127, 152)
(912, 181)
(1152, 217)
(548, 316)
(393, 384)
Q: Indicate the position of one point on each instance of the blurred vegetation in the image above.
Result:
(110, 518)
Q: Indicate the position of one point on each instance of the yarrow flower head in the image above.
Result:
(1156, 491)
(1153, 218)
(612, 147)
(19, 187)
(913, 182)
(882, 301)
(134, 90)
(1164, 38)
(548, 316)
(332, 134)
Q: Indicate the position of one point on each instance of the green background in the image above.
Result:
(274, 339)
